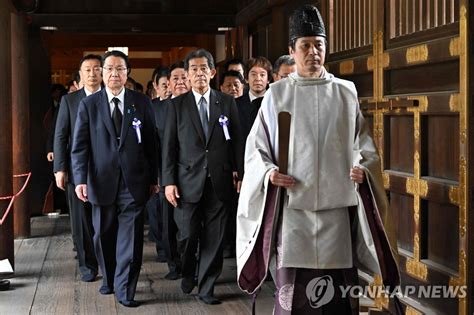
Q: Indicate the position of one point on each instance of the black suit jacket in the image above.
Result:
(97, 158)
(51, 129)
(247, 112)
(66, 120)
(188, 156)
(160, 109)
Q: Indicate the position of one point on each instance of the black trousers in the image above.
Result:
(153, 209)
(169, 230)
(118, 241)
(82, 232)
(204, 223)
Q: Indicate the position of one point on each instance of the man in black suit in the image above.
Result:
(114, 158)
(232, 83)
(90, 69)
(259, 74)
(202, 146)
(178, 84)
(153, 206)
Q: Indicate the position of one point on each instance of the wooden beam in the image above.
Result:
(136, 23)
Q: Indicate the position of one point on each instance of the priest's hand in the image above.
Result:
(81, 192)
(357, 175)
(172, 195)
(279, 179)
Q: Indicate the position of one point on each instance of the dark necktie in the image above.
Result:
(203, 115)
(117, 117)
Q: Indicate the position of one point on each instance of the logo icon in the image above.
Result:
(320, 291)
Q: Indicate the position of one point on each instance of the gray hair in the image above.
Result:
(283, 60)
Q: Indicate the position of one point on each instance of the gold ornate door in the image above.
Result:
(409, 61)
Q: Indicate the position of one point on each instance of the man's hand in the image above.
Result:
(61, 179)
(154, 189)
(81, 192)
(278, 179)
(237, 182)
(171, 193)
(357, 175)
(50, 156)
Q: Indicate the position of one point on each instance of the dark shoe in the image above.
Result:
(210, 300)
(187, 285)
(129, 303)
(4, 285)
(89, 277)
(104, 290)
(172, 275)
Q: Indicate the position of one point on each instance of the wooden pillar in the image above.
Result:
(244, 39)
(279, 34)
(6, 183)
(20, 121)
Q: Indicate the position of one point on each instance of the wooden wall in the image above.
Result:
(66, 49)
(408, 60)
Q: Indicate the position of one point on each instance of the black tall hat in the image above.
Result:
(306, 21)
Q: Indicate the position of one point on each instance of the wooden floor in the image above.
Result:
(46, 281)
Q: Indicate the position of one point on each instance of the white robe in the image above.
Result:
(324, 144)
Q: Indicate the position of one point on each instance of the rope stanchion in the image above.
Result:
(12, 198)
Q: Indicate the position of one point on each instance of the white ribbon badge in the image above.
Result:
(137, 124)
(224, 122)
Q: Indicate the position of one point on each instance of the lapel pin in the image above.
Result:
(224, 122)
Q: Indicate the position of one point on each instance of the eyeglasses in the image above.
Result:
(112, 69)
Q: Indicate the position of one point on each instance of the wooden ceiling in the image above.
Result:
(135, 16)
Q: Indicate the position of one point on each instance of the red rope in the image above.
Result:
(12, 198)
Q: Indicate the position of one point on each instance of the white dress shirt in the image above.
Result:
(121, 98)
(252, 96)
(206, 96)
(89, 92)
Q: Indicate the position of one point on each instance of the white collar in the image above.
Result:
(198, 96)
(252, 96)
(89, 92)
(120, 96)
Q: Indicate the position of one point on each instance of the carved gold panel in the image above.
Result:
(462, 195)
(422, 103)
(411, 311)
(381, 300)
(346, 67)
(417, 269)
(454, 103)
(417, 54)
(385, 60)
(386, 180)
(370, 63)
(454, 195)
(454, 49)
(417, 187)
